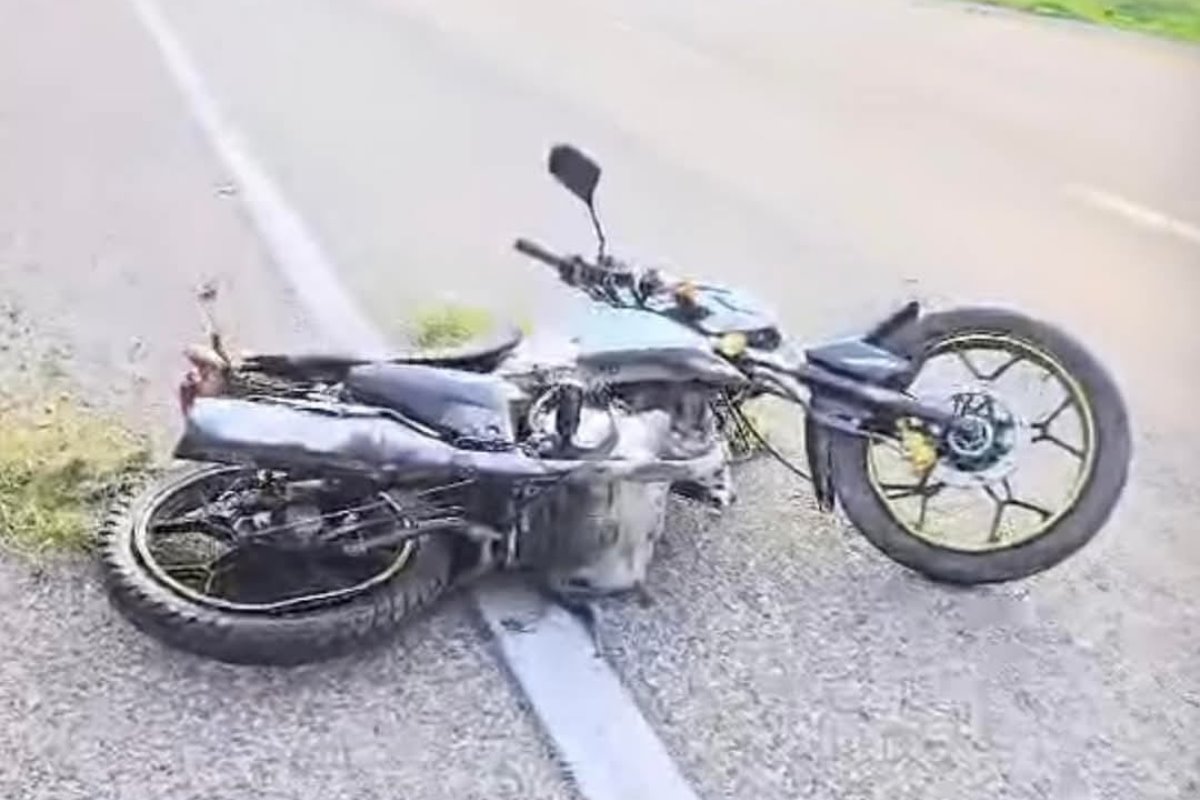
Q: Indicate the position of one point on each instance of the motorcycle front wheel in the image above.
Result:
(1028, 482)
(169, 570)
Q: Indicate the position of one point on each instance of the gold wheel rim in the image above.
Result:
(1076, 398)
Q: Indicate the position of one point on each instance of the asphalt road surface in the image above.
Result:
(836, 157)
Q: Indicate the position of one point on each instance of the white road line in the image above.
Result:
(604, 741)
(296, 252)
(600, 735)
(1136, 213)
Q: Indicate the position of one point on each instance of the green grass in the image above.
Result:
(59, 463)
(449, 325)
(441, 326)
(1179, 19)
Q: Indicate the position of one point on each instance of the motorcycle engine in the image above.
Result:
(597, 537)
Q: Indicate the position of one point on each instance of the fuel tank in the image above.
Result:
(629, 345)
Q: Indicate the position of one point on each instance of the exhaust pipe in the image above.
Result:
(270, 435)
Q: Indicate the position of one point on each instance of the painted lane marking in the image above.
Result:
(600, 735)
(1136, 213)
(295, 251)
(604, 742)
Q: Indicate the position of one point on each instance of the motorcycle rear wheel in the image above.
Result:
(244, 635)
(1103, 470)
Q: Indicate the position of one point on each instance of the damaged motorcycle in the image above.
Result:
(327, 497)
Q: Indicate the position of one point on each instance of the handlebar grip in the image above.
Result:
(535, 250)
(575, 270)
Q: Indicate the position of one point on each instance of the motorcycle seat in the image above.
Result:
(481, 356)
(455, 403)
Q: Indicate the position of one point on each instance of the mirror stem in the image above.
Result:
(599, 232)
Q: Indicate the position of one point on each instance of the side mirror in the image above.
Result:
(579, 174)
(575, 171)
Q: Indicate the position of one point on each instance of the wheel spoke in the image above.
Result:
(923, 490)
(922, 511)
(998, 514)
(969, 364)
(1045, 424)
(900, 491)
(1042, 432)
(1009, 500)
(997, 518)
(1046, 436)
(1003, 368)
(1041, 511)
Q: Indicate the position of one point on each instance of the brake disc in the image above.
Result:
(986, 450)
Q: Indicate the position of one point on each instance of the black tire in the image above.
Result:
(257, 638)
(1095, 502)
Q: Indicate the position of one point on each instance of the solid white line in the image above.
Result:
(1136, 213)
(602, 738)
(604, 741)
(296, 252)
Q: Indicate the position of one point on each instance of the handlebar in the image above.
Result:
(536, 251)
(576, 271)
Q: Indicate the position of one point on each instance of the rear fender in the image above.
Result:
(898, 320)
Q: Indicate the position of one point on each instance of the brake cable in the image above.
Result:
(745, 422)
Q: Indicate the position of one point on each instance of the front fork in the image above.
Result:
(745, 440)
(836, 404)
(818, 446)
